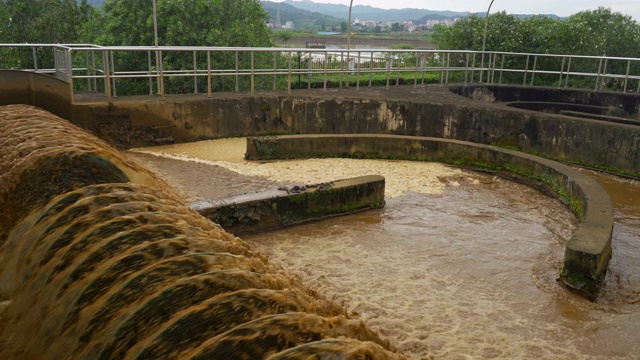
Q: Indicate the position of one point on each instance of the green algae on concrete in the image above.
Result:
(587, 252)
(271, 210)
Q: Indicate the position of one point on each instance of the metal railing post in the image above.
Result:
(70, 75)
(371, 65)
(466, 70)
(501, 70)
(275, 69)
(326, 70)
(208, 73)
(289, 76)
(561, 71)
(161, 74)
(358, 72)
(150, 74)
(526, 70)
(442, 72)
(473, 68)
(35, 59)
(113, 78)
(533, 71)
(604, 73)
(237, 68)
(107, 73)
(566, 77)
(195, 72)
(253, 80)
(598, 75)
(626, 77)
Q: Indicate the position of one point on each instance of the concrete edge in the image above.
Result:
(270, 210)
(587, 252)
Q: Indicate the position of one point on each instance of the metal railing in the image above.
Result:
(160, 71)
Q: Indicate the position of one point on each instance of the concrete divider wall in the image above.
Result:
(587, 252)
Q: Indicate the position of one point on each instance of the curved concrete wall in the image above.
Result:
(424, 111)
(587, 252)
(404, 110)
(46, 92)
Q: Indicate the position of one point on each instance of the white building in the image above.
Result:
(288, 25)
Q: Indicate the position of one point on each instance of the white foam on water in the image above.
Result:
(400, 176)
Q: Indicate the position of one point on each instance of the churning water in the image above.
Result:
(457, 265)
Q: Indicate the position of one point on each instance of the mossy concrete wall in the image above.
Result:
(587, 252)
(478, 114)
(424, 111)
(259, 212)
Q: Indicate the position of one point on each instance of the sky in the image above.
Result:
(557, 7)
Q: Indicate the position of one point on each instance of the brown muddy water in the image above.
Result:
(458, 265)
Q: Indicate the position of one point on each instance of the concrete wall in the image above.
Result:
(46, 92)
(477, 115)
(587, 252)
(435, 112)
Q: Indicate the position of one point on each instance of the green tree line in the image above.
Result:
(598, 32)
(241, 23)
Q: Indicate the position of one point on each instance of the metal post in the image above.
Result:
(561, 71)
(113, 79)
(35, 59)
(326, 66)
(161, 73)
(237, 68)
(484, 38)
(155, 23)
(533, 71)
(371, 67)
(466, 70)
(598, 75)
(349, 41)
(208, 73)
(195, 72)
(253, 80)
(289, 76)
(626, 77)
(275, 69)
(150, 73)
(604, 72)
(70, 73)
(501, 70)
(526, 70)
(358, 72)
(566, 77)
(107, 72)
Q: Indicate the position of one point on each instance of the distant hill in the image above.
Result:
(366, 12)
(302, 19)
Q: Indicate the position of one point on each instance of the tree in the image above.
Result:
(226, 23)
(41, 22)
(186, 22)
(46, 21)
(284, 36)
(343, 26)
(595, 32)
(396, 27)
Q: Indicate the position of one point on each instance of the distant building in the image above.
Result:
(288, 25)
(432, 22)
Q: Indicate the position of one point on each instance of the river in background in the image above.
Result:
(457, 265)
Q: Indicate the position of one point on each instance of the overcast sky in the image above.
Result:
(557, 7)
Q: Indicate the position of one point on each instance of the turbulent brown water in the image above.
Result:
(99, 260)
(465, 273)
